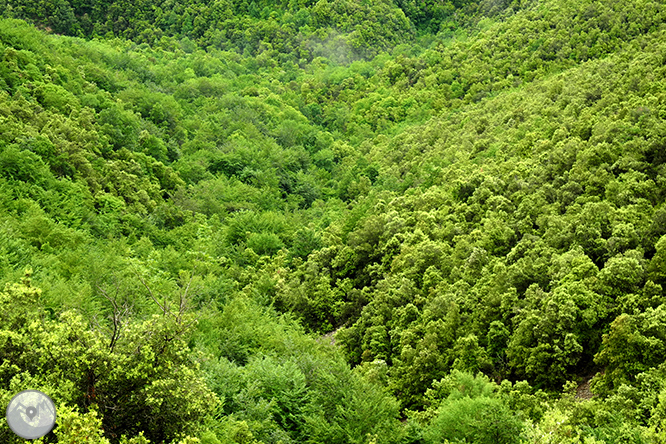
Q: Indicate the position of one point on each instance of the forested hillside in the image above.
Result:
(335, 221)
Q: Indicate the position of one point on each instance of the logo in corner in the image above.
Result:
(31, 414)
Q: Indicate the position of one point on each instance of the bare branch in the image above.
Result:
(115, 318)
(183, 298)
(150, 292)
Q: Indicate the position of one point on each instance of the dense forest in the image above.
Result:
(335, 221)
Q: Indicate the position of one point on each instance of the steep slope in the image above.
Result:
(477, 210)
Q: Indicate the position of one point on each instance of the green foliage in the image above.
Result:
(479, 420)
(74, 426)
(440, 189)
(139, 376)
(634, 344)
(279, 385)
(471, 412)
